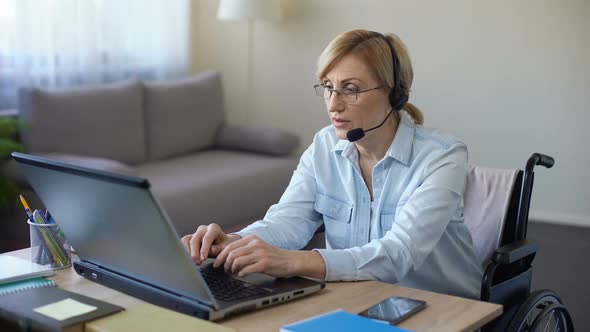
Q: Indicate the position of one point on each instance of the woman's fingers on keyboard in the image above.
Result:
(221, 258)
(195, 243)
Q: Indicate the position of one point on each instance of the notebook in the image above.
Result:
(22, 285)
(14, 269)
(340, 321)
(51, 309)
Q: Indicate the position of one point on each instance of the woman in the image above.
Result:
(391, 201)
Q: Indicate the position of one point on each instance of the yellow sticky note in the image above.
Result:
(64, 309)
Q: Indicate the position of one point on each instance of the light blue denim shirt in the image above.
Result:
(418, 187)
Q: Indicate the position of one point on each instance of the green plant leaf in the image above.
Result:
(8, 130)
(7, 146)
(8, 193)
(9, 127)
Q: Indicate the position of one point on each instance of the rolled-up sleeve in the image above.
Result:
(416, 230)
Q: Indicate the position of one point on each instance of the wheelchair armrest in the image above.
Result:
(512, 252)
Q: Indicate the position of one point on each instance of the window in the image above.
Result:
(57, 43)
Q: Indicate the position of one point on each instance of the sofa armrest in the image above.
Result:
(266, 140)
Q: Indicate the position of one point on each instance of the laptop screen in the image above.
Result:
(114, 221)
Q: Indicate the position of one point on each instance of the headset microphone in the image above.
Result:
(398, 96)
(358, 133)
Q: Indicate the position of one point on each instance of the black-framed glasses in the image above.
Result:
(347, 95)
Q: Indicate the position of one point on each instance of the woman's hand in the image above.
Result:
(251, 255)
(207, 240)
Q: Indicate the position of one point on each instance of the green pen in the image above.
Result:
(49, 219)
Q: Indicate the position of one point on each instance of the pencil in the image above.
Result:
(28, 210)
(30, 215)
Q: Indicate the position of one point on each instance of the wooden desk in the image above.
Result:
(443, 312)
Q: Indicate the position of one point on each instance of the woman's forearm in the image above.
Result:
(309, 264)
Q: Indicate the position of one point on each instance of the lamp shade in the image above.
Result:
(268, 10)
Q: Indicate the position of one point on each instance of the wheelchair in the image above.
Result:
(508, 271)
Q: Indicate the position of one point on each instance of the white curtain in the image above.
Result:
(56, 43)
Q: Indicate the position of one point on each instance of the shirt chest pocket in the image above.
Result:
(336, 215)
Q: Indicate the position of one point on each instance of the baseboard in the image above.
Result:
(554, 217)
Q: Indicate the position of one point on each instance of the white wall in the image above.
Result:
(508, 77)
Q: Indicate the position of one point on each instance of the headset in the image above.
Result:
(397, 95)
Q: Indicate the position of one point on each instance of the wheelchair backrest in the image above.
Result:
(491, 201)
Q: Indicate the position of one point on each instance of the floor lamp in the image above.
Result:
(250, 10)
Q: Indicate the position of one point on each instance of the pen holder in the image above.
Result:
(49, 246)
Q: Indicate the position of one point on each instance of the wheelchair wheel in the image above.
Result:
(542, 311)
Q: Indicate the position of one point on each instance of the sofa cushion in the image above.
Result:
(182, 116)
(11, 170)
(103, 121)
(224, 187)
(266, 140)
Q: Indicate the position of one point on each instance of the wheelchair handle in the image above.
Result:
(542, 159)
(526, 190)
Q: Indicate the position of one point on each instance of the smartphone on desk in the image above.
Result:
(394, 309)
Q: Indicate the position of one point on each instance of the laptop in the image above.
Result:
(125, 241)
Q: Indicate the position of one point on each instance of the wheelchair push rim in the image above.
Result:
(542, 311)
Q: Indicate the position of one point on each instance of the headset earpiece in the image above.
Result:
(397, 98)
(397, 95)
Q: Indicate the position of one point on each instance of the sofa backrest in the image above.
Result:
(182, 116)
(130, 122)
(104, 121)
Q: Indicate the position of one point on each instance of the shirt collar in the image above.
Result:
(403, 141)
(346, 149)
(401, 147)
(341, 145)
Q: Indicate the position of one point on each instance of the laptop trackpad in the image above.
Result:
(259, 279)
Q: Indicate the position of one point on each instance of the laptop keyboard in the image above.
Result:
(226, 288)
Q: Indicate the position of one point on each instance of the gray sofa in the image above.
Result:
(172, 133)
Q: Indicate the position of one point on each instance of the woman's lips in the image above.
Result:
(340, 123)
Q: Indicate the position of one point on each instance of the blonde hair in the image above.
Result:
(377, 54)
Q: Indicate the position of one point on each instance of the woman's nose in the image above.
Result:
(335, 103)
